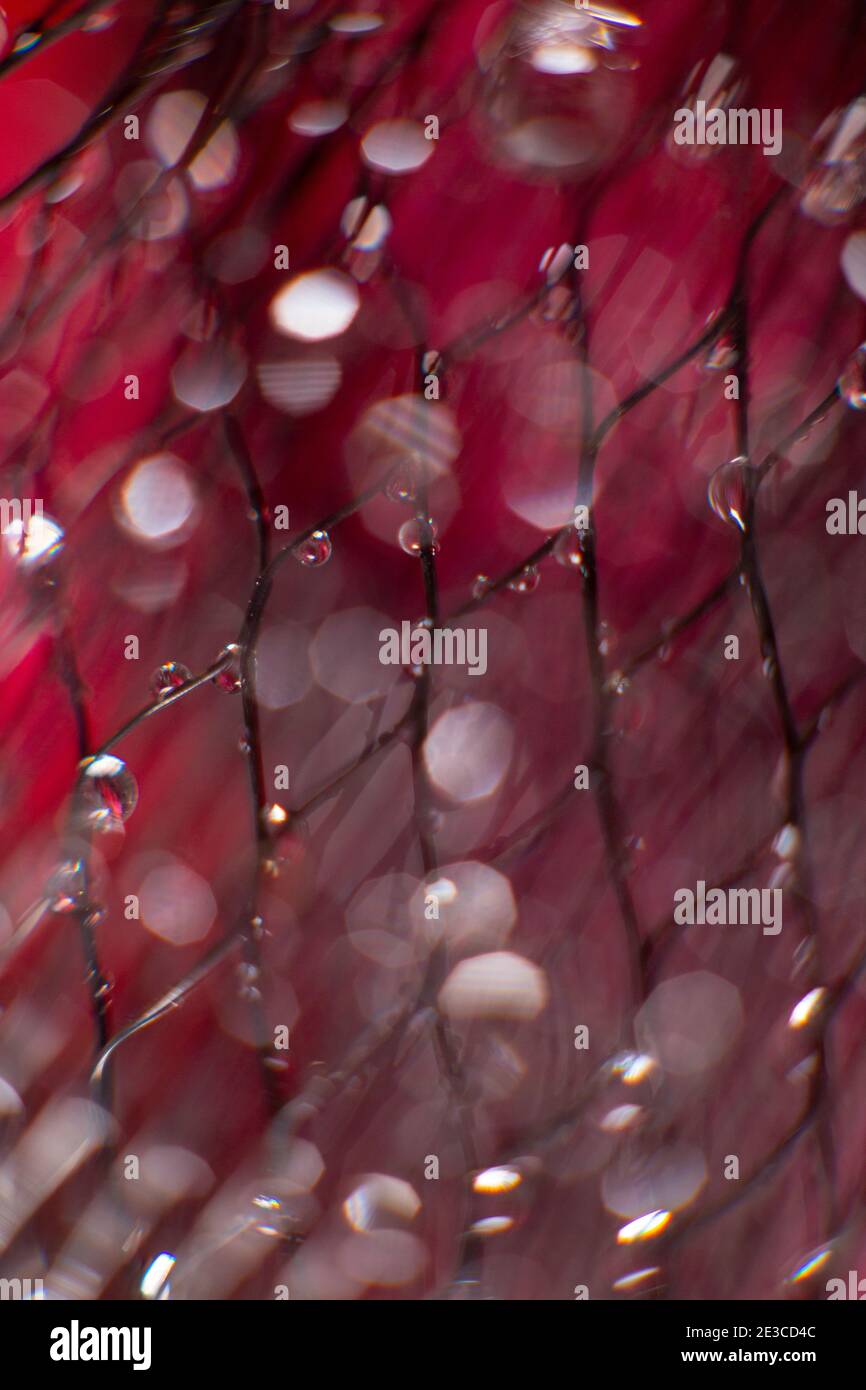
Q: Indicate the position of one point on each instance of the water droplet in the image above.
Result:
(402, 483)
(29, 39)
(568, 550)
(417, 535)
(721, 354)
(526, 581)
(617, 683)
(727, 492)
(315, 550)
(168, 677)
(229, 679)
(852, 382)
(108, 791)
(67, 887)
(481, 586)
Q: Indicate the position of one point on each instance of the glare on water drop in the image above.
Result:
(315, 550)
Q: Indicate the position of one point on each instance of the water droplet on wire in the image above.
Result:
(526, 581)
(108, 791)
(568, 550)
(417, 535)
(315, 550)
(168, 677)
(727, 494)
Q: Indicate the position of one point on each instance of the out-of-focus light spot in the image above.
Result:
(633, 1281)
(853, 263)
(477, 909)
(158, 587)
(345, 656)
(810, 1266)
(406, 430)
(396, 147)
(690, 1022)
(378, 1198)
(668, 1179)
(154, 1283)
(173, 123)
(10, 1101)
(497, 1180)
(318, 117)
(157, 501)
(207, 376)
(384, 1259)
(468, 751)
(317, 305)
(643, 1228)
(154, 212)
(302, 387)
(345, 23)
(34, 543)
(497, 985)
(177, 904)
(633, 1067)
(807, 1008)
(621, 1117)
(491, 1226)
(562, 58)
(375, 229)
